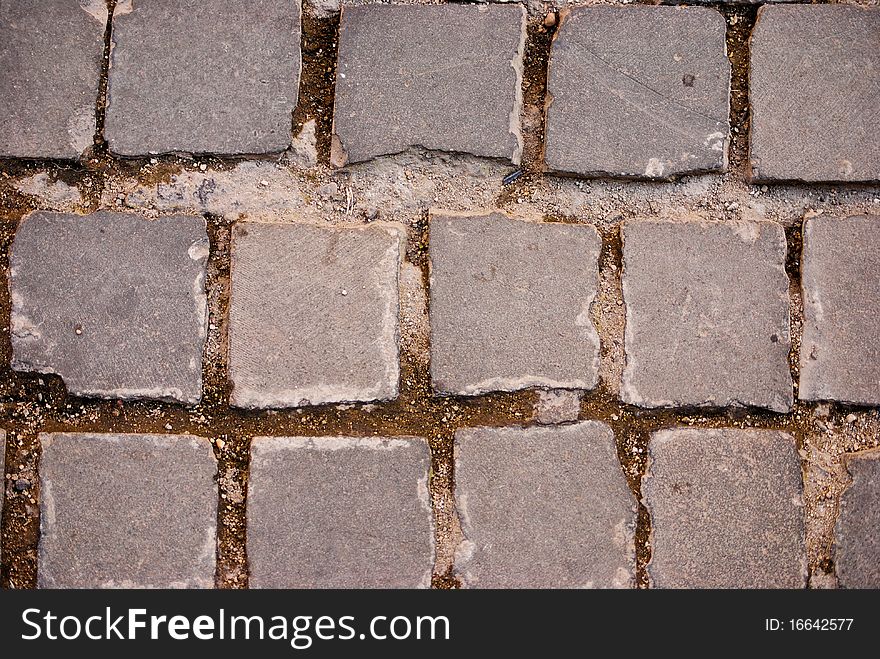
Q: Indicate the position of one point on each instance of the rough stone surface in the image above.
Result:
(51, 64)
(314, 314)
(510, 304)
(339, 512)
(815, 93)
(857, 542)
(112, 302)
(638, 92)
(557, 406)
(203, 76)
(106, 519)
(543, 508)
(443, 77)
(726, 509)
(840, 351)
(707, 315)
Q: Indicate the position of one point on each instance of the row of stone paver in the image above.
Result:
(632, 91)
(539, 507)
(116, 304)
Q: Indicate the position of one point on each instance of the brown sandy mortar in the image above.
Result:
(740, 23)
(318, 78)
(536, 58)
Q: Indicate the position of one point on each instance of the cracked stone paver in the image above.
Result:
(229, 71)
(339, 512)
(707, 315)
(114, 303)
(510, 304)
(314, 314)
(543, 508)
(442, 77)
(638, 92)
(51, 64)
(815, 94)
(726, 509)
(105, 517)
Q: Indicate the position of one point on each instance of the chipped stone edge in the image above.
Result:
(745, 230)
(518, 66)
(48, 518)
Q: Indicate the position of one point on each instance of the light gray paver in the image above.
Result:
(203, 76)
(857, 535)
(314, 314)
(114, 303)
(707, 315)
(510, 304)
(445, 77)
(557, 406)
(840, 350)
(726, 509)
(638, 92)
(339, 512)
(543, 508)
(106, 517)
(50, 56)
(815, 93)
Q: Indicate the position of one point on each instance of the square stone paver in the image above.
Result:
(638, 92)
(726, 509)
(543, 508)
(857, 541)
(446, 77)
(339, 512)
(51, 63)
(510, 304)
(815, 93)
(707, 315)
(314, 314)
(127, 511)
(114, 303)
(840, 350)
(203, 76)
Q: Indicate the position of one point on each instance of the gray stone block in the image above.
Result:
(857, 534)
(114, 303)
(203, 76)
(314, 314)
(543, 508)
(443, 77)
(106, 517)
(638, 92)
(840, 350)
(510, 304)
(707, 315)
(339, 512)
(726, 509)
(814, 93)
(50, 56)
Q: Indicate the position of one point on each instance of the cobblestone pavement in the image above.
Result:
(520, 294)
